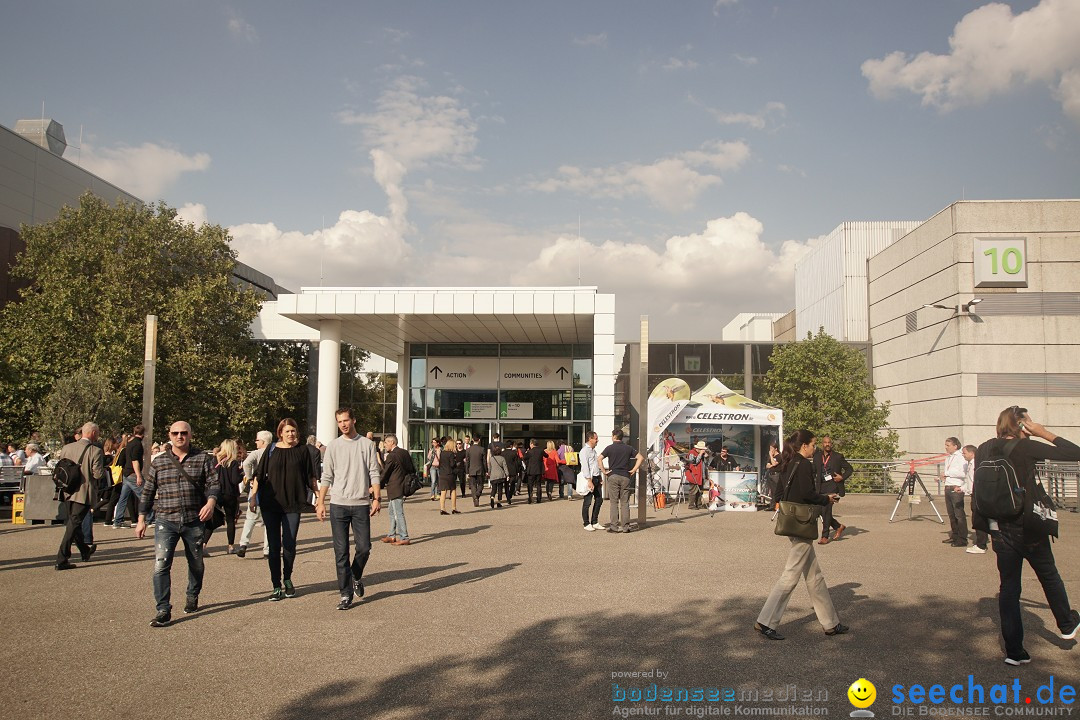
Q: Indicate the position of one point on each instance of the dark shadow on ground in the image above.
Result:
(562, 668)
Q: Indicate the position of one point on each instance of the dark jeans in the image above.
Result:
(166, 535)
(511, 487)
(595, 499)
(534, 483)
(1010, 563)
(358, 519)
(461, 481)
(73, 532)
(230, 506)
(281, 529)
(497, 490)
(980, 539)
(954, 504)
(828, 522)
(477, 483)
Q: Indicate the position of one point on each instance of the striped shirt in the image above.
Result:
(170, 495)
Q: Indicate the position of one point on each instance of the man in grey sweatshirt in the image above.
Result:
(351, 473)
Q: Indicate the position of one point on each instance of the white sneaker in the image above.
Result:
(590, 528)
(599, 526)
(1072, 633)
(975, 550)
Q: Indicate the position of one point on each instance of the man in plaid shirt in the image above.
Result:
(182, 489)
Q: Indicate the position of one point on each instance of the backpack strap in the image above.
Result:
(1009, 447)
(787, 487)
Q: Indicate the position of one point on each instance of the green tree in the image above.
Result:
(95, 273)
(824, 386)
(76, 398)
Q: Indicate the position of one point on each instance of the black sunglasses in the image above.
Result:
(179, 432)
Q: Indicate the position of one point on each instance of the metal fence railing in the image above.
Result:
(1062, 483)
(1061, 480)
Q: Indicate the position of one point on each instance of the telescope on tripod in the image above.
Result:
(908, 486)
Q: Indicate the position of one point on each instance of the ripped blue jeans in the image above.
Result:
(166, 535)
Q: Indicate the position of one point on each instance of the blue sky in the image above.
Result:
(697, 146)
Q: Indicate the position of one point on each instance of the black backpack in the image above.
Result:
(413, 482)
(998, 493)
(67, 475)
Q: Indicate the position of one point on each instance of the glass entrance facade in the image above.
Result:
(520, 391)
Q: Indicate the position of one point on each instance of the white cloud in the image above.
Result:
(598, 40)
(408, 131)
(674, 63)
(791, 170)
(361, 248)
(758, 121)
(241, 29)
(673, 183)
(193, 213)
(721, 4)
(746, 60)
(697, 281)
(991, 52)
(145, 171)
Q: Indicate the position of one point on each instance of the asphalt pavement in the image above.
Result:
(519, 613)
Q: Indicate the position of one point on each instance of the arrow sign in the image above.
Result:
(561, 372)
(436, 370)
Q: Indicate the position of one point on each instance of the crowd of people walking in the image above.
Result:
(186, 494)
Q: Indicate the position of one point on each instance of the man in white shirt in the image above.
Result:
(590, 467)
(34, 459)
(955, 481)
(979, 547)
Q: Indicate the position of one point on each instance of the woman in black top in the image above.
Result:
(282, 481)
(797, 485)
(448, 469)
(230, 475)
(1025, 538)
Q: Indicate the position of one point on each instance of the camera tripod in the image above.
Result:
(908, 486)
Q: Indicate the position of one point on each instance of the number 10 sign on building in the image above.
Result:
(1000, 262)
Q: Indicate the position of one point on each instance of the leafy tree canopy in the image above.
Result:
(824, 386)
(95, 273)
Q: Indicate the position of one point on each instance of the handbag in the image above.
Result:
(117, 470)
(795, 519)
(582, 484)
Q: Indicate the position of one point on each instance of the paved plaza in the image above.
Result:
(517, 613)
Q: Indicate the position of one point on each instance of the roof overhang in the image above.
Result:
(383, 320)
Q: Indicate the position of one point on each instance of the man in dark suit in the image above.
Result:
(91, 461)
(476, 469)
(831, 469)
(513, 467)
(534, 469)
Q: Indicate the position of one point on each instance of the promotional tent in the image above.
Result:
(718, 416)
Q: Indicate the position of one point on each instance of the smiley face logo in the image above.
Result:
(862, 693)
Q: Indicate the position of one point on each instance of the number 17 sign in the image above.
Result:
(1000, 262)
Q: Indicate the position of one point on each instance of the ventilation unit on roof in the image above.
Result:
(46, 133)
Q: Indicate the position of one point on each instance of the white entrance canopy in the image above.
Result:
(384, 321)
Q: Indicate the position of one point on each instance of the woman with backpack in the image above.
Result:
(1027, 535)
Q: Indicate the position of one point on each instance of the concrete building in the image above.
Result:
(36, 182)
(524, 362)
(750, 327)
(830, 281)
(948, 364)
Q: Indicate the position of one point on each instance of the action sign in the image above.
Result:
(1000, 262)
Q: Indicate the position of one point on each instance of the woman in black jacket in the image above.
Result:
(230, 475)
(447, 472)
(797, 485)
(1025, 538)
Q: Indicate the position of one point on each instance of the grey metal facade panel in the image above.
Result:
(1028, 303)
(1028, 384)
